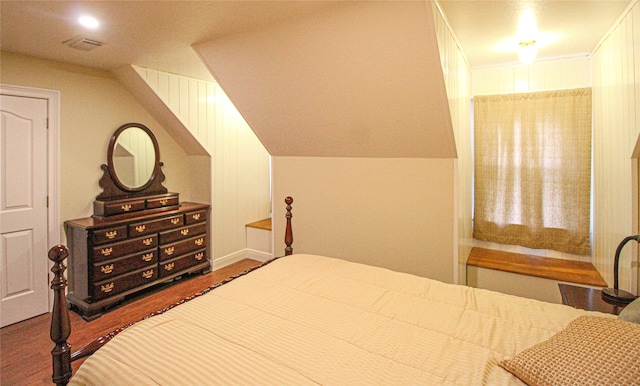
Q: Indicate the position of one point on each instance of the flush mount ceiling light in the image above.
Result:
(527, 51)
(89, 22)
(527, 33)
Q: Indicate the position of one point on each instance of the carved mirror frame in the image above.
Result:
(113, 187)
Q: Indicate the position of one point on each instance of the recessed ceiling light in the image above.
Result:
(89, 22)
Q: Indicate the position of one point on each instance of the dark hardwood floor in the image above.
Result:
(25, 347)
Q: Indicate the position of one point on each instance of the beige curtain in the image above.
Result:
(533, 169)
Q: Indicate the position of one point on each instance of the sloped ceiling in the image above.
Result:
(358, 79)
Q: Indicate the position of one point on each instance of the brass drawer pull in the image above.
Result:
(184, 232)
(106, 288)
(106, 268)
(195, 216)
(199, 256)
(199, 241)
(147, 274)
(141, 228)
(164, 202)
(111, 235)
(169, 251)
(147, 242)
(147, 257)
(169, 266)
(106, 251)
(126, 207)
(175, 221)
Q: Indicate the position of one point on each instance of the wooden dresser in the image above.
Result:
(114, 257)
(140, 234)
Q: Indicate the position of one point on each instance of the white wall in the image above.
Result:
(389, 212)
(616, 86)
(457, 78)
(557, 74)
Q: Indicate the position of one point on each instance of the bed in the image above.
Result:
(315, 320)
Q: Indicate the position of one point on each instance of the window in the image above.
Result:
(533, 169)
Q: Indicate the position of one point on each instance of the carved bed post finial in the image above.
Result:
(60, 325)
(288, 235)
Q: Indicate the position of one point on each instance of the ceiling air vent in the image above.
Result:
(82, 43)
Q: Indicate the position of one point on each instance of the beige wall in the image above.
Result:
(616, 93)
(93, 105)
(388, 212)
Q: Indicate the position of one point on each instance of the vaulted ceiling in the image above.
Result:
(359, 79)
(312, 78)
(159, 33)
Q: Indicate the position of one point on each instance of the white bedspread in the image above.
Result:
(307, 319)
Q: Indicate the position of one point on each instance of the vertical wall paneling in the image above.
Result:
(240, 164)
(538, 76)
(457, 76)
(616, 84)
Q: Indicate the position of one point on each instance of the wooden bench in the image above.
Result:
(261, 224)
(258, 235)
(527, 275)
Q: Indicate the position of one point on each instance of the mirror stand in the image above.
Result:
(119, 198)
(110, 189)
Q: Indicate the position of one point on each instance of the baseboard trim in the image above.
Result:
(258, 255)
(240, 255)
(228, 259)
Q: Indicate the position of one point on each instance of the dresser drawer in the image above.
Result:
(194, 217)
(112, 268)
(123, 283)
(111, 251)
(170, 251)
(109, 235)
(111, 209)
(162, 202)
(181, 263)
(182, 233)
(153, 226)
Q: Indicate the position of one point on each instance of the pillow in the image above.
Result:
(590, 350)
(631, 313)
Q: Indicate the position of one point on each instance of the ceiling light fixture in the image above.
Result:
(527, 51)
(89, 22)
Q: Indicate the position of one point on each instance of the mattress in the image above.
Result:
(309, 320)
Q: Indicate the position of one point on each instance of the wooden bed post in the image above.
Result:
(60, 325)
(288, 235)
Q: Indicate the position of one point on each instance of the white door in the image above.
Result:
(24, 265)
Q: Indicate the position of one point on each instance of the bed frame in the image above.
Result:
(61, 354)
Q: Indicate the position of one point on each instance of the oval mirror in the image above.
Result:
(133, 157)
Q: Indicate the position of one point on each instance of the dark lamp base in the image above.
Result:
(617, 296)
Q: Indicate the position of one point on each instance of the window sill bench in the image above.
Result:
(526, 275)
